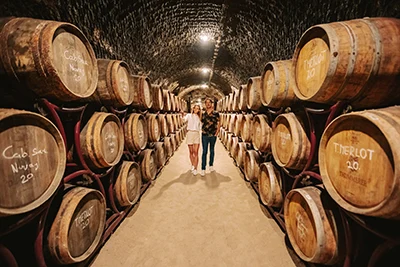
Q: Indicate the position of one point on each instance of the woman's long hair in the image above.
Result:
(200, 113)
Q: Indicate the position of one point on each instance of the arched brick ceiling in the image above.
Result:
(161, 38)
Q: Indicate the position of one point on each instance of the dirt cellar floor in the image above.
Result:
(186, 220)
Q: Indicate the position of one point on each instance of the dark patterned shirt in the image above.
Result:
(210, 123)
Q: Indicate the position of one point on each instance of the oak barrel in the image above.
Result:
(270, 185)
(170, 123)
(113, 86)
(253, 93)
(229, 141)
(174, 144)
(290, 144)
(247, 127)
(159, 152)
(252, 162)
(32, 163)
(355, 60)
(262, 133)
(166, 100)
(243, 97)
(312, 225)
(78, 226)
(236, 99)
(231, 123)
(162, 119)
(143, 97)
(127, 184)
(238, 124)
(168, 147)
(135, 131)
(53, 59)
(359, 162)
(233, 146)
(153, 127)
(241, 154)
(173, 100)
(277, 84)
(102, 140)
(148, 165)
(158, 98)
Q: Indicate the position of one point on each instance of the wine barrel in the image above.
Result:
(168, 147)
(173, 101)
(243, 97)
(166, 100)
(78, 226)
(262, 133)
(53, 59)
(233, 146)
(159, 151)
(229, 141)
(312, 225)
(277, 84)
(224, 138)
(158, 98)
(231, 123)
(290, 144)
(148, 165)
(102, 140)
(127, 184)
(221, 133)
(236, 99)
(135, 131)
(253, 91)
(246, 129)
(113, 86)
(170, 123)
(230, 102)
(349, 60)
(238, 124)
(32, 163)
(162, 118)
(175, 121)
(142, 97)
(252, 162)
(241, 154)
(153, 127)
(174, 145)
(358, 162)
(270, 185)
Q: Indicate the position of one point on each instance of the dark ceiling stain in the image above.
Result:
(161, 38)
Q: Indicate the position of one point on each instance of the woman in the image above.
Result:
(193, 136)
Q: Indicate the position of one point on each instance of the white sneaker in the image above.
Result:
(194, 172)
(202, 173)
(211, 169)
(192, 169)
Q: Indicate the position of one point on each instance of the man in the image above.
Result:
(210, 130)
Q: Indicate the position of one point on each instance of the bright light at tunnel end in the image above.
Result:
(204, 37)
(205, 70)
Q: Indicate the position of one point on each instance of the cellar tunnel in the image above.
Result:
(197, 48)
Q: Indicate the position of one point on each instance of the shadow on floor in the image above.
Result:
(214, 179)
(186, 178)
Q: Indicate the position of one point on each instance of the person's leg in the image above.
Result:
(191, 154)
(195, 155)
(213, 139)
(204, 143)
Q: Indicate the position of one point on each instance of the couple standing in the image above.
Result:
(208, 123)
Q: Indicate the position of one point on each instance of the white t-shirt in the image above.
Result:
(194, 123)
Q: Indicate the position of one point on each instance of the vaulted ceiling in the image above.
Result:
(166, 40)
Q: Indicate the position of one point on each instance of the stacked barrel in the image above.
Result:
(316, 136)
(87, 139)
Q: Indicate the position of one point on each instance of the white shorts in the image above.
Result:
(193, 137)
